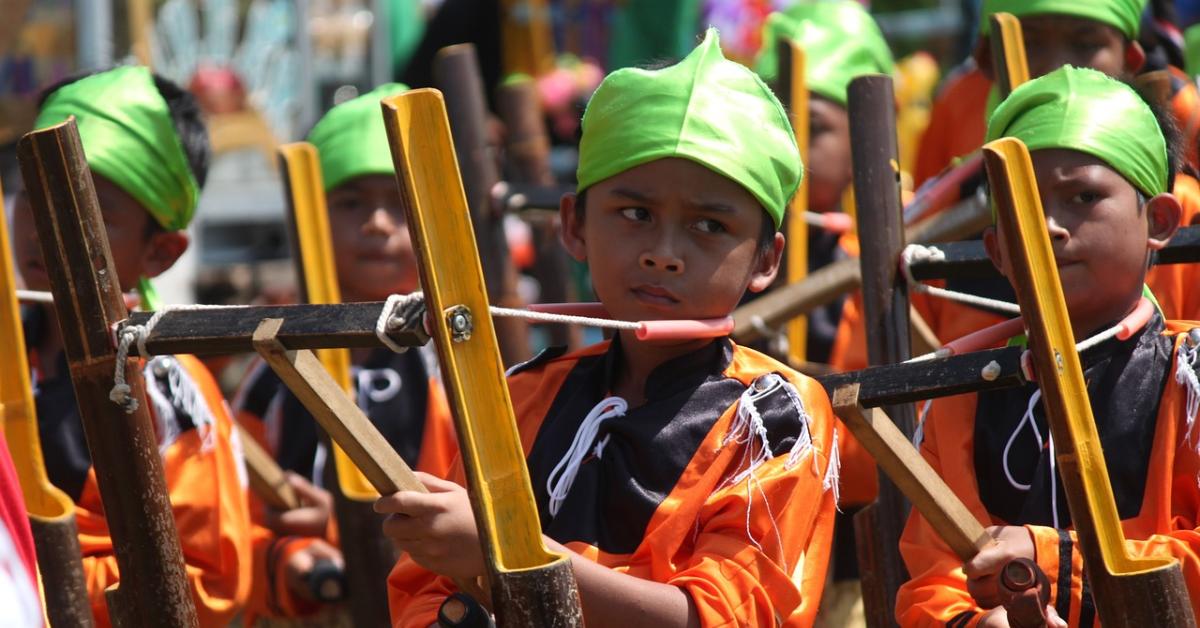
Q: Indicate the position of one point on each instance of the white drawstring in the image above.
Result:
(1027, 417)
(568, 467)
(1037, 434)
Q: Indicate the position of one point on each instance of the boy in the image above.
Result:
(148, 152)
(400, 392)
(681, 516)
(1098, 34)
(1102, 170)
(841, 42)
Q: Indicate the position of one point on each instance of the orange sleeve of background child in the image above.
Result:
(208, 499)
(439, 445)
(957, 124)
(937, 594)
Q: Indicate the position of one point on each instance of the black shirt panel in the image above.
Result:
(1125, 383)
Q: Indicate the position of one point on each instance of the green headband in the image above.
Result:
(351, 140)
(705, 108)
(840, 39)
(1123, 15)
(129, 139)
(1086, 111)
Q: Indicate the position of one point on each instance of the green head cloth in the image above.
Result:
(1085, 110)
(129, 139)
(705, 108)
(1123, 15)
(351, 139)
(840, 39)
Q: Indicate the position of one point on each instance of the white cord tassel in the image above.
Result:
(1187, 360)
(558, 484)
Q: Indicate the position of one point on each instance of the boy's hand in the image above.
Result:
(437, 528)
(301, 563)
(310, 519)
(983, 575)
(983, 571)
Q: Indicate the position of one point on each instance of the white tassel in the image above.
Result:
(833, 472)
(182, 395)
(164, 410)
(558, 484)
(1185, 375)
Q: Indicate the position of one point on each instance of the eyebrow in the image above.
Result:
(713, 206)
(633, 195)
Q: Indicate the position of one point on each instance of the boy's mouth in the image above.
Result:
(655, 295)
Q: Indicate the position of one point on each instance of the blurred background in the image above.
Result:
(265, 70)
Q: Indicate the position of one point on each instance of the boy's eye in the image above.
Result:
(708, 225)
(635, 213)
(346, 203)
(1085, 198)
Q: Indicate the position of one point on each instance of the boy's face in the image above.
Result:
(829, 164)
(138, 248)
(670, 239)
(371, 246)
(1052, 41)
(1100, 235)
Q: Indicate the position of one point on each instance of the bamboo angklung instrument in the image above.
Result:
(154, 588)
(874, 154)
(456, 73)
(793, 90)
(530, 585)
(51, 512)
(368, 554)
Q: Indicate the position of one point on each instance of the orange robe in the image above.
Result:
(1162, 521)
(681, 520)
(205, 480)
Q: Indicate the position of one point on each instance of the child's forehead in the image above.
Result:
(1068, 165)
(677, 178)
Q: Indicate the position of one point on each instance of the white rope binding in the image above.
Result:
(567, 468)
(915, 253)
(121, 393)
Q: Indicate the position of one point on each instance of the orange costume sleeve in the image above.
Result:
(957, 123)
(1166, 524)
(206, 482)
(747, 554)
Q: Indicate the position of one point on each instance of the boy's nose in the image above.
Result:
(663, 261)
(380, 221)
(1057, 231)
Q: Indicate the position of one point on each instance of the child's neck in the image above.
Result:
(1086, 325)
(638, 361)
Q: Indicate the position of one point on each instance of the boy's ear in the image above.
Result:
(1135, 57)
(1163, 214)
(991, 244)
(163, 249)
(571, 228)
(767, 266)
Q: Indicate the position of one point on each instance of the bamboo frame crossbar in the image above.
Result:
(229, 330)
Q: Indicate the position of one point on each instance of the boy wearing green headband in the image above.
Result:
(400, 392)
(690, 482)
(1103, 171)
(841, 42)
(148, 152)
